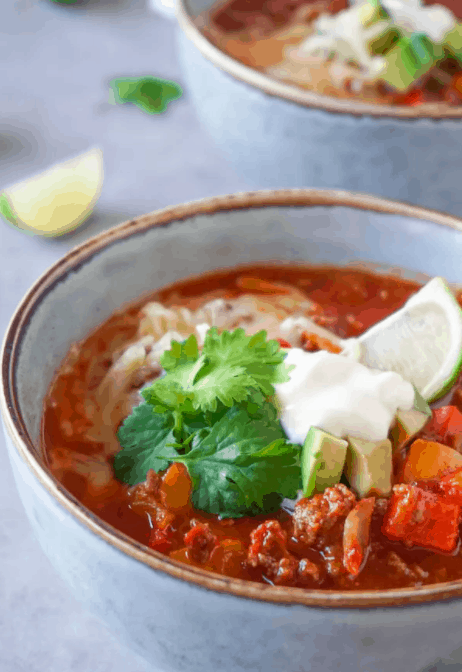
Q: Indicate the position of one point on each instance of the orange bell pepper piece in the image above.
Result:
(429, 459)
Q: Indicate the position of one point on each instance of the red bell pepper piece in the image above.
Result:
(446, 423)
(450, 487)
(422, 518)
(283, 343)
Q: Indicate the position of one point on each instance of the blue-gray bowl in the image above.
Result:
(181, 618)
(277, 135)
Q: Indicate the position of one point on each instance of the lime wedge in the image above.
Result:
(59, 199)
(422, 341)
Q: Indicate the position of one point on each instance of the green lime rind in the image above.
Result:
(6, 210)
(150, 94)
(448, 383)
(401, 342)
(8, 213)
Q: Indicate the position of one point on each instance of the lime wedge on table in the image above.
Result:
(422, 341)
(57, 200)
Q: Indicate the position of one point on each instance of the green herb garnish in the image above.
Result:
(144, 435)
(150, 94)
(230, 366)
(211, 412)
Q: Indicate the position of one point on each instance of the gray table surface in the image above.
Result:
(56, 62)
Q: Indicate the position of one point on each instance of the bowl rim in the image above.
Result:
(24, 446)
(295, 94)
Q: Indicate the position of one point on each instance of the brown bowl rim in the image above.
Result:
(295, 94)
(17, 431)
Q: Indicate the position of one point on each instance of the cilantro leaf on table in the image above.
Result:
(150, 94)
(230, 366)
(144, 435)
(242, 465)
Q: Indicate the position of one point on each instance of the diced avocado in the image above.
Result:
(323, 458)
(385, 42)
(453, 41)
(409, 59)
(409, 423)
(368, 466)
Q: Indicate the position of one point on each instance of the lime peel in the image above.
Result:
(57, 200)
(422, 341)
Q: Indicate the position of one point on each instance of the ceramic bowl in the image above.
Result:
(277, 135)
(181, 618)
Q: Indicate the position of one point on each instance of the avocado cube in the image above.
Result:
(368, 466)
(323, 458)
(453, 41)
(409, 423)
(409, 59)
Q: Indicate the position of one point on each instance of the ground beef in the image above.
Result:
(268, 550)
(315, 516)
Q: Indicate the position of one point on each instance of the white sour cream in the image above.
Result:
(340, 396)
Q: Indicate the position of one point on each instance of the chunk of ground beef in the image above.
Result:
(268, 550)
(144, 500)
(313, 516)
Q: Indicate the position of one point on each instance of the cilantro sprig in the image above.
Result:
(211, 412)
(230, 366)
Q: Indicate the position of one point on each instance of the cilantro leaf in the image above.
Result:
(242, 465)
(263, 360)
(210, 411)
(230, 366)
(186, 352)
(144, 436)
(150, 94)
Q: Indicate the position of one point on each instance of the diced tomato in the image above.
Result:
(161, 540)
(283, 343)
(356, 535)
(457, 83)
(314, 342)
(227, 557)
(429, 459)
(200, 541)
(421, 518)
(412, 98)
(446, 424)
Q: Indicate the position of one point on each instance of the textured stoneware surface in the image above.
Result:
(274, 142)
(184, 625)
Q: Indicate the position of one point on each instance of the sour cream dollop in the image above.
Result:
(340, 396)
